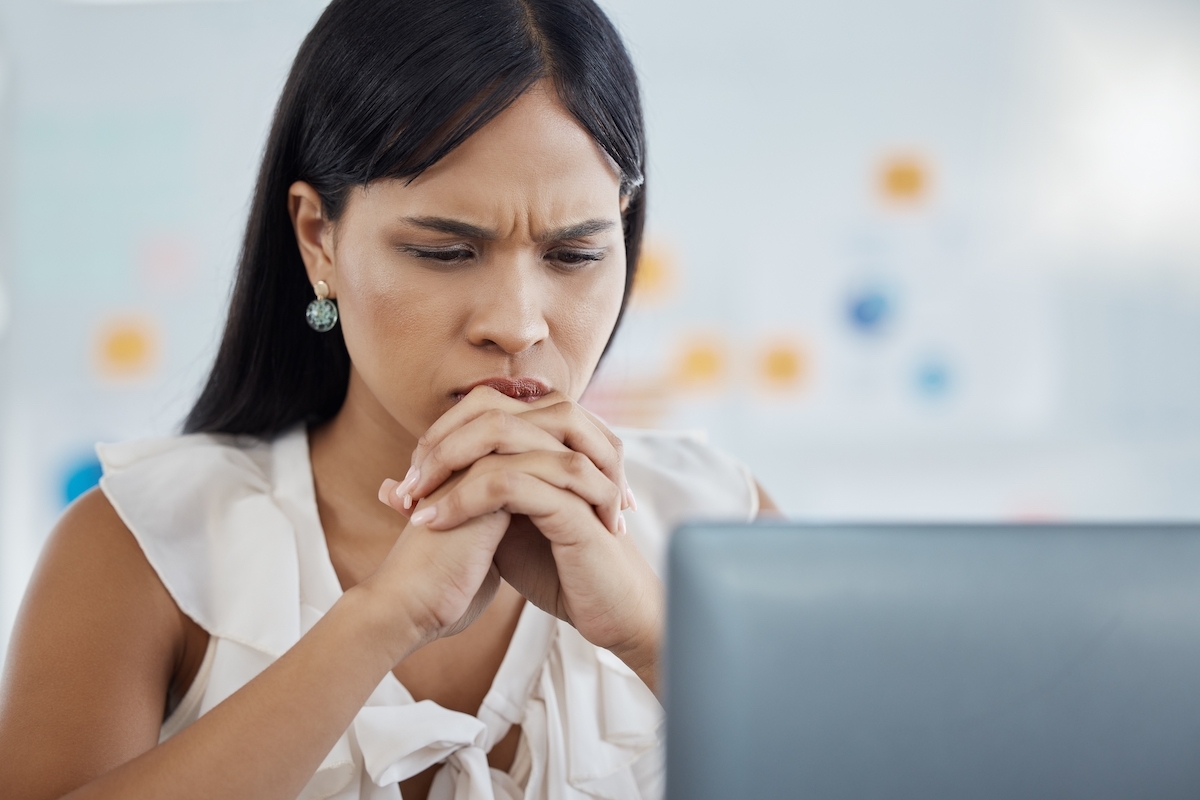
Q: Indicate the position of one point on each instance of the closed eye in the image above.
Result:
(575, 258)
(445, 255)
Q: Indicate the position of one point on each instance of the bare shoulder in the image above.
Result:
(97, 645)
(92, 565)
(90, 534)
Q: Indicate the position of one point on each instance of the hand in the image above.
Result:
(444, 579)
(559, 471)
(486, 421)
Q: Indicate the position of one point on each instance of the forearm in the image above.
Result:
(269, 737)
(646, 668)
(642, 651)
(644, 657)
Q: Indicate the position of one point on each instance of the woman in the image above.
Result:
(393, 556)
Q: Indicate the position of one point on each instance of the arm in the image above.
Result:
(97, 642)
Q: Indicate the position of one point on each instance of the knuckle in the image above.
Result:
(500, 484)
(452, 504)
(566, 460)
(575, 463)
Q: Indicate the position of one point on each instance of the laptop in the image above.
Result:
(933, 661)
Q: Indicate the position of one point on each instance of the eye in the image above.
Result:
(444, 255)
(574, 259)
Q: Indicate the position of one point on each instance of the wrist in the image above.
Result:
(641, 652)
(385, 622)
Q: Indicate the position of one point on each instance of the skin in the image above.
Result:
(512, 500)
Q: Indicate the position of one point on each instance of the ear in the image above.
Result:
(314, 234)
(625, 200)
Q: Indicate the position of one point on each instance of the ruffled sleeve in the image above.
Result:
(202, 510)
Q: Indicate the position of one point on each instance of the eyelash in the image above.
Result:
(571, 259)
(578, 257)
(455, 254)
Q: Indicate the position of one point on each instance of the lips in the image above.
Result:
(527, 389)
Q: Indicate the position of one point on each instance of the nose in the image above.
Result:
(510, 312)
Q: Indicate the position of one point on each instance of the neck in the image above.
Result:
(351, 455)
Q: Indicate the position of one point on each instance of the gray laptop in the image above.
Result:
(886, 661)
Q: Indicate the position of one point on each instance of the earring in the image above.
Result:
(321, 314)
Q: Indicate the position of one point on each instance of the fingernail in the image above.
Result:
(410, 480)
(385, 489)
(621, 529)
(424, 516)
(407, 502)
(629, 496)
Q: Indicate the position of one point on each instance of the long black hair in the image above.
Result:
(385, 89)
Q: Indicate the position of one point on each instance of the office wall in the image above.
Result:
(911, 259)
(928, 259)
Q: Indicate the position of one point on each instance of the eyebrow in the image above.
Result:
(456, 227)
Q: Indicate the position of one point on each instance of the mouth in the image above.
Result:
(526, 389)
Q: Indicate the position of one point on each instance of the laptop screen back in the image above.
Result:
(933, 661)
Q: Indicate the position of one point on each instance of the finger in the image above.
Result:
(389, 497)
(569, 470)
(479, 400)
(493, 431)
(572, 425)
(617, 446)
(562, 516)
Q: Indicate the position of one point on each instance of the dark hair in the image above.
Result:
(385, 89)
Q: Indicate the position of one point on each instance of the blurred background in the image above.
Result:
(909, 259)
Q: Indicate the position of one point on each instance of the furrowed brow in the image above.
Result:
(579, 231)
(453, 227)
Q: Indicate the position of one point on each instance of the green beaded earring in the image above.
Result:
(321, 314)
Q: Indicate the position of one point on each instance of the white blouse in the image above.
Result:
(230, 525)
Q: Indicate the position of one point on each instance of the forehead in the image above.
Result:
(533, 159)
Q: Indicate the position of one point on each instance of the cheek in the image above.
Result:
(373, 309)
(383, 317)
(588, 318)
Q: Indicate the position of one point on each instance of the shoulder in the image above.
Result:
(91, 548)
(95, 649)
(92, 563)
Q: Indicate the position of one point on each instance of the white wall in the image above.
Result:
(1027, 295)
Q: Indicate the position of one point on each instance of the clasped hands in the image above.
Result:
(531, 492)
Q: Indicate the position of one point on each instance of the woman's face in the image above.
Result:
(505, 260)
